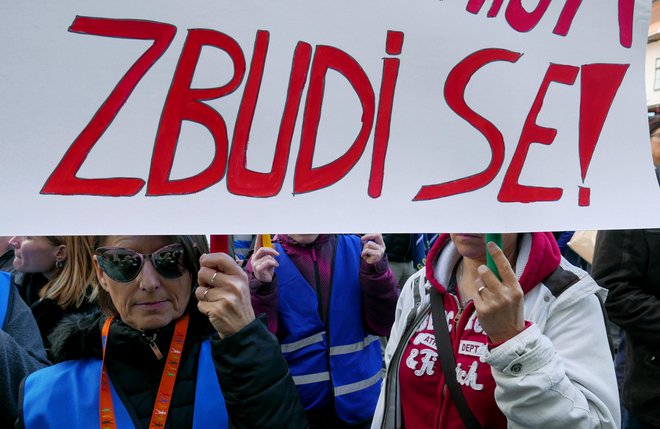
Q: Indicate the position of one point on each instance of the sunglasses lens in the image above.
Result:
(121, 265)
(168, 261)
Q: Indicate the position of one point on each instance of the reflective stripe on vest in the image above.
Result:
(5, 290)
(340, 360)
(300, 380)
(360, 385)
(355, 347)
(292, 347)
(78, 382)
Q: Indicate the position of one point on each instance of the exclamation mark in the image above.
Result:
(626, 14)
(600, 84)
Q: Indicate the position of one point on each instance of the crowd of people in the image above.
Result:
(158, 332)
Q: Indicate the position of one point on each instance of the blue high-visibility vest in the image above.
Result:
(340, 359)
(66, 395)
(5, 290)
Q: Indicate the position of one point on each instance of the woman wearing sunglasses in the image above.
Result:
(164, 355)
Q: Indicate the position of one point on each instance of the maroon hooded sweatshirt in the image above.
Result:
(425, 401)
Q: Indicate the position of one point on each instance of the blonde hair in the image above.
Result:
(75, 282)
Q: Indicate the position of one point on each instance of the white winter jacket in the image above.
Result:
(558, 373)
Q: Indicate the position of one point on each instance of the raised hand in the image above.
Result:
(499, 304)
(373, 248)
(264, 262)
(223, 293)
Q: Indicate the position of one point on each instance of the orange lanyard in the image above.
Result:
(164, 396)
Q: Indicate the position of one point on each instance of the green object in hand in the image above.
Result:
(497, 239)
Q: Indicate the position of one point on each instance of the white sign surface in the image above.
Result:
(306, 116)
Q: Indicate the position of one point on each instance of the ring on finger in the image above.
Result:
(481, 289)
(212, 281)
(204, 296)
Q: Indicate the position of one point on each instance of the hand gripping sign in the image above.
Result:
(439, 111)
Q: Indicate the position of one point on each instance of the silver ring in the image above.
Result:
(213, 279)
(478, 290)
(204, 296)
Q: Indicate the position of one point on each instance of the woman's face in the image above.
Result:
(150, 301)
(35, 254)
(473, 246)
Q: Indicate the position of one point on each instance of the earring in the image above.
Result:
(59, 264)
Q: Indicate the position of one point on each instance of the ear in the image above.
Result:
(61, 253)
(100, 275)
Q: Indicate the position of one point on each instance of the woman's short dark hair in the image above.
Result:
(194, 246)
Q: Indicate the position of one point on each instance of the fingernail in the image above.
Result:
(492, 246)
(483, 269)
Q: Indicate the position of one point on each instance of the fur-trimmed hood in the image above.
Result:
(78, 336)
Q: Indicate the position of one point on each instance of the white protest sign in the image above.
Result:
(306, 116)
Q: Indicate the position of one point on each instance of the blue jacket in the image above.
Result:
(67, 395)
(5, 289)
(340, 359)
(20, 347)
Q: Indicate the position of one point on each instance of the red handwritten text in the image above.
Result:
(310, 66)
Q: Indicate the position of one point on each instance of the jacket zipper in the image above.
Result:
(459, 313)
(151, 340)
(317, 277)
(327, 324)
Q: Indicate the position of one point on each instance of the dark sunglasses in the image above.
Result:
(124, 265)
